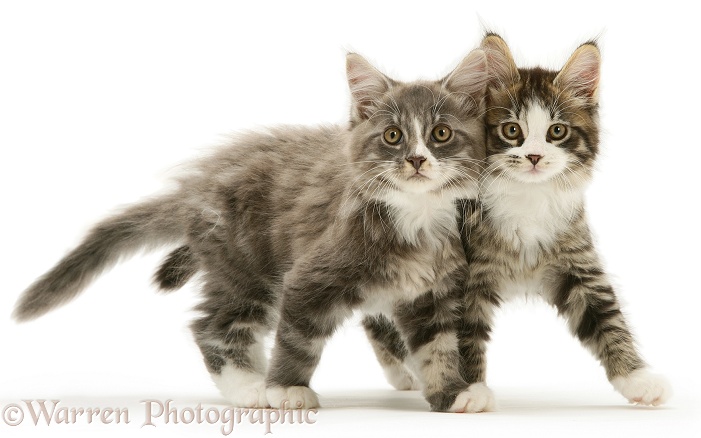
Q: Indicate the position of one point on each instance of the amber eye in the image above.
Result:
(557, 131)
(511, 131)
(441, 133)
(393, 135)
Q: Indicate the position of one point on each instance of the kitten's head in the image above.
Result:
(418, 137)
(542, 126)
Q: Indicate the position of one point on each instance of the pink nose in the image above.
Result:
(416, 161)
(534, 158)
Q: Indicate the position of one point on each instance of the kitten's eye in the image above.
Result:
(393, 135)
(557, 131)
(441, 133)
(511, 131)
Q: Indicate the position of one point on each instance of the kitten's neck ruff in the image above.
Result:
(428, 218)
(530, 216)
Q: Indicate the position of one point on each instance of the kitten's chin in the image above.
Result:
(562, 179)
(533, 175)
(418, 183)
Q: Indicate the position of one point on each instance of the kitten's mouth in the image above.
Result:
(534, 174)
(418, 175)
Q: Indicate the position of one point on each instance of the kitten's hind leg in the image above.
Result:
(237, 375)
(231, 337)
(391, 351)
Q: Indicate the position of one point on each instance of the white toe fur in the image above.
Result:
(292, 397)
(477, 398)
(643, 388)
(401, 378)
(242, 389)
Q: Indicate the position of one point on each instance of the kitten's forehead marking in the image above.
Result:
(421, 150)
(537, 120)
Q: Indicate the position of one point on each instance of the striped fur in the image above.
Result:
(294, 229)
(532, 236)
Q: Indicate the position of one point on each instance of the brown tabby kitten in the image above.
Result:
(295, 228)
(533, 238)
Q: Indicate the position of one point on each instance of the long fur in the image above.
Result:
(294, 228)
(147, 225)
(532, 236)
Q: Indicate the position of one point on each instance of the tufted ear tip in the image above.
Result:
(492, 39)
(502, 68)
(581, 73)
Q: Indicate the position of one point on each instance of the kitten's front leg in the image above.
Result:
(585, 297)
(429, 327)
(315, 302)
(474, 330)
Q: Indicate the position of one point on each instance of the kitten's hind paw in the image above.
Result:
(477, 398)
(292, 397)
(250, 396)
(242, 389)
(643, 388)
(401, 378)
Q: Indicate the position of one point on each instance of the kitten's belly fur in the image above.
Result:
(526, 270)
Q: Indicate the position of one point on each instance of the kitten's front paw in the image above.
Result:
(643, 388)
(401, 378)
(477, 398)
(292, 397)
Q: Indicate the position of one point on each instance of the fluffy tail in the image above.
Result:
(142, 226)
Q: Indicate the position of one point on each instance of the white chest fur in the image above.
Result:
(530, 216)
(430, 215)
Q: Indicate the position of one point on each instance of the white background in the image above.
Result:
(100, 101)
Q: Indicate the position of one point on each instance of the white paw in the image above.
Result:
(401, 378)
(477, 398)
(242, 389)
(251, 395)
(292, 397)
(643, 388)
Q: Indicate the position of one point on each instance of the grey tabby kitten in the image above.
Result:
(532, 236)
(296, 228)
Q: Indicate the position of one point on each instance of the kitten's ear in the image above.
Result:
(470, 76)
(367, 85)
(502, 68)
(580, 75)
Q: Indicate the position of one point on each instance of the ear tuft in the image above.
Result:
(502, 68)
(366, 84)
(581, 73)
